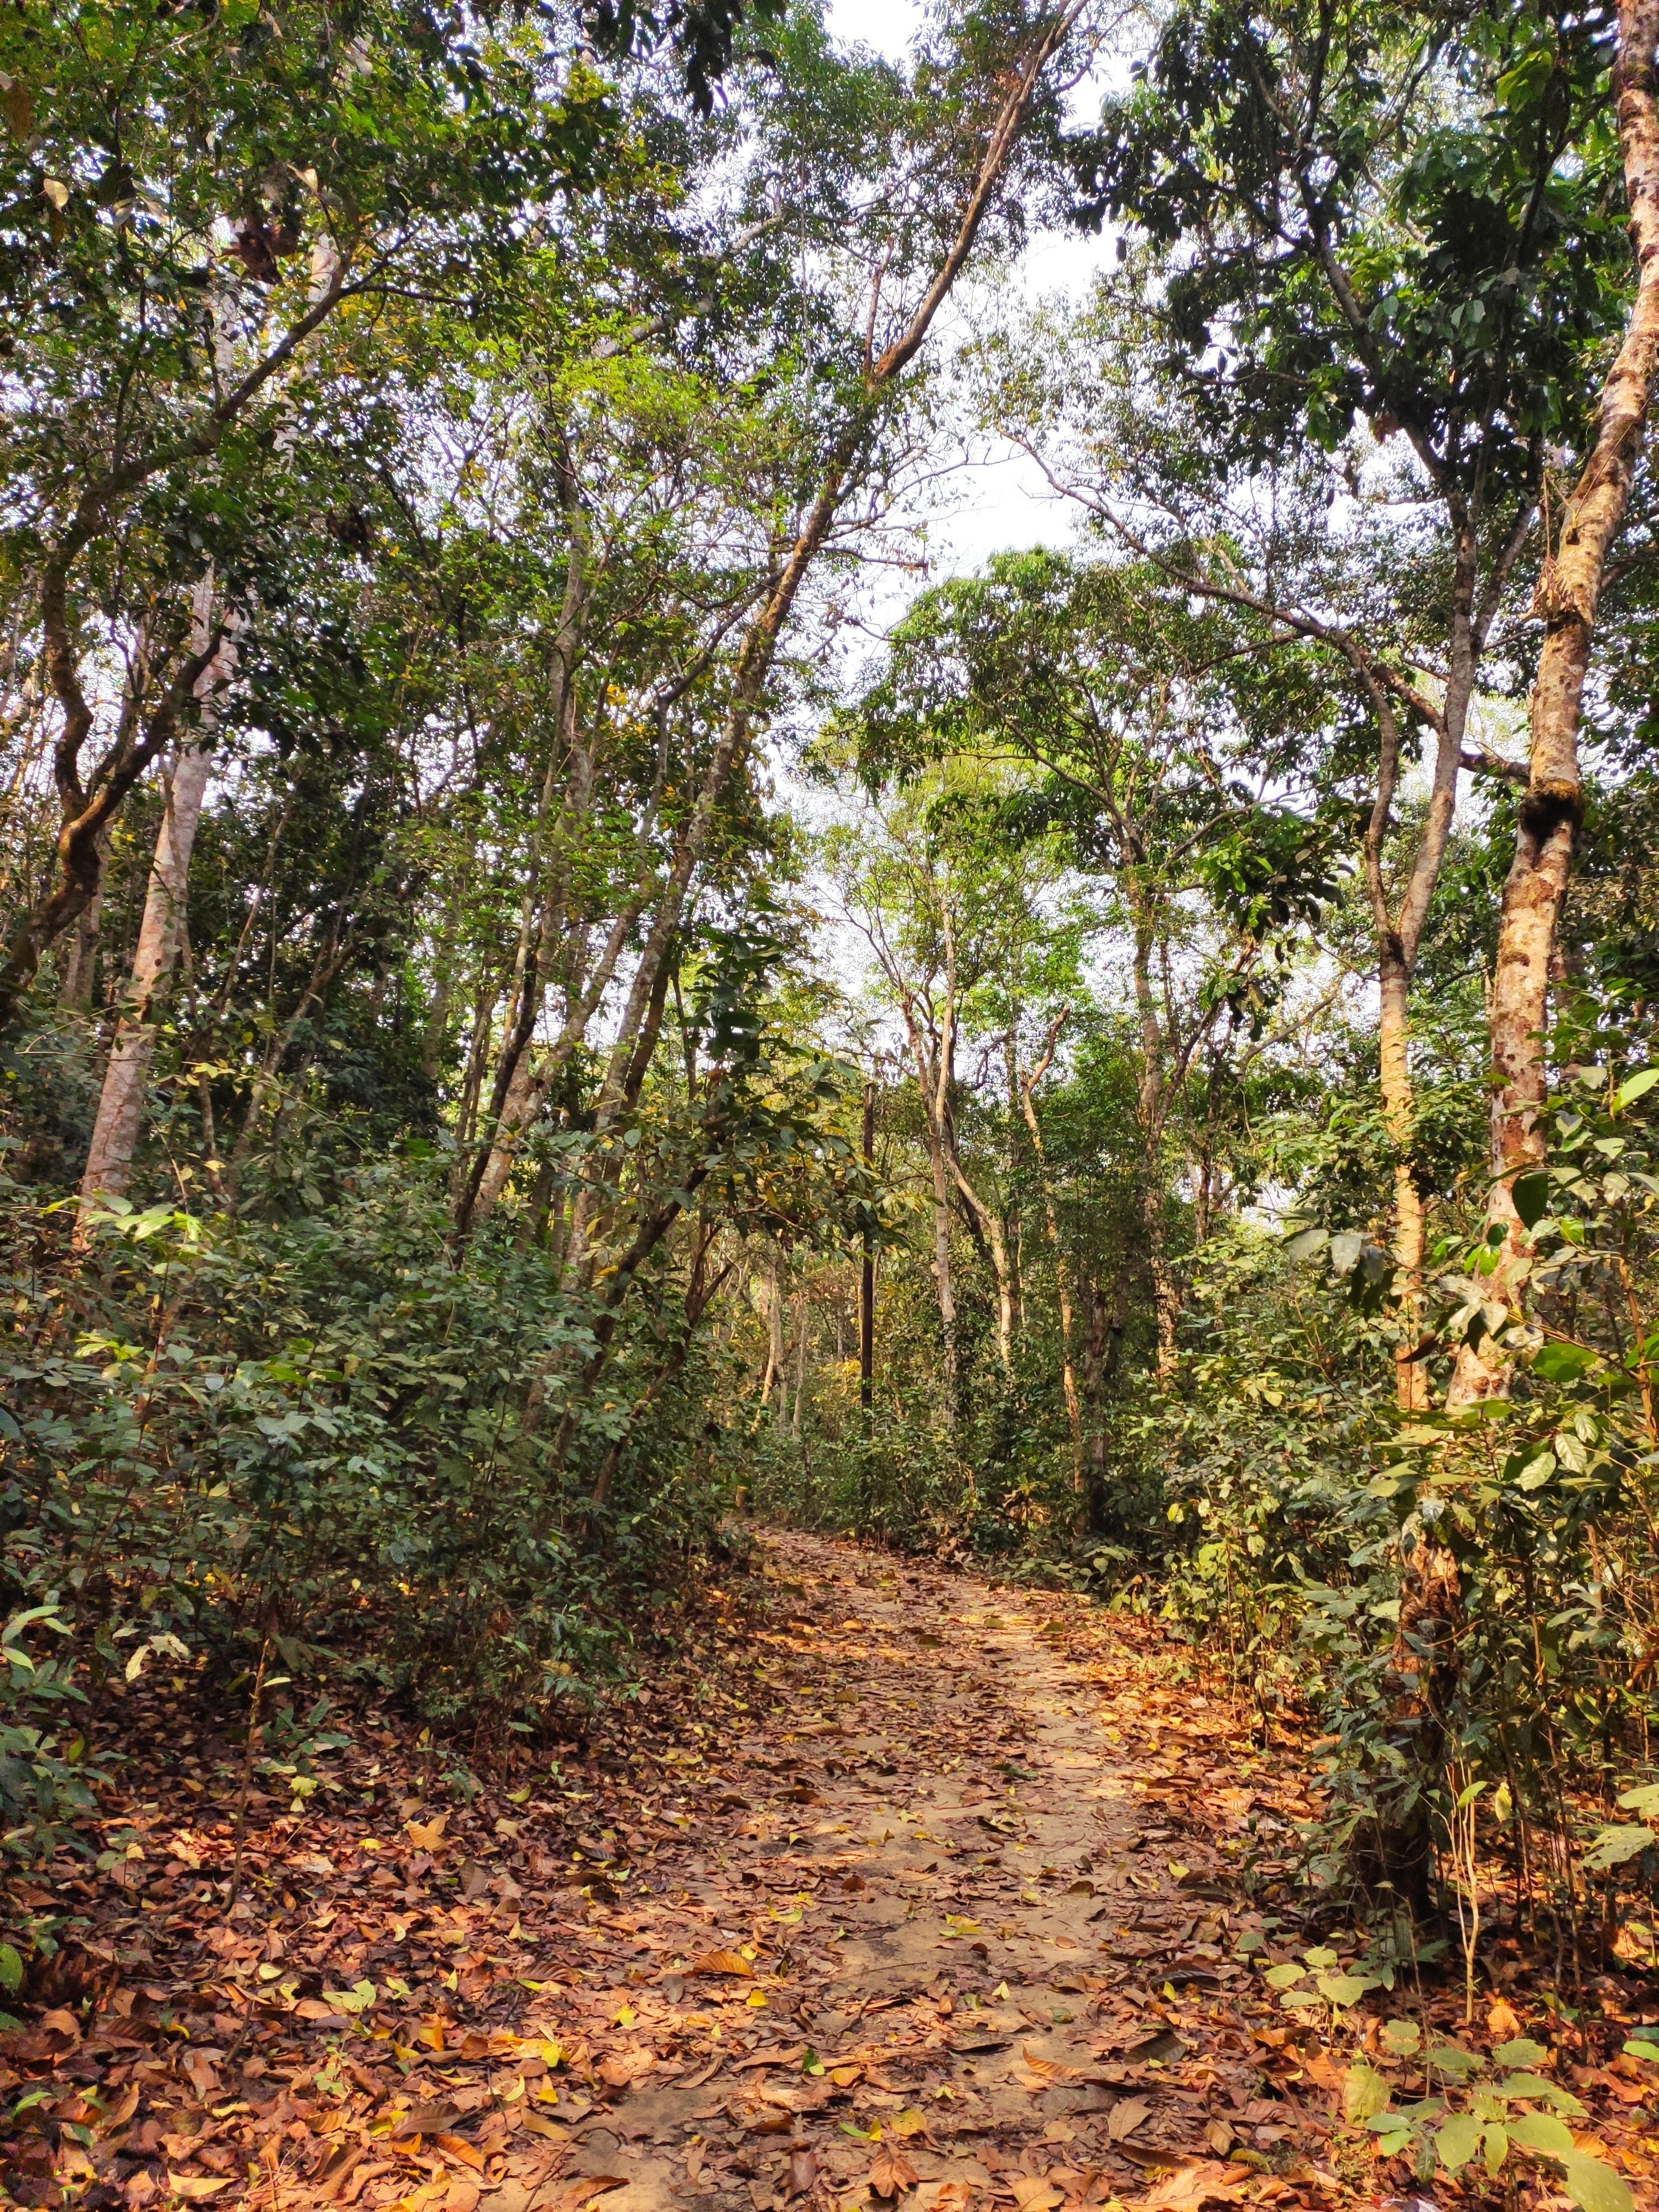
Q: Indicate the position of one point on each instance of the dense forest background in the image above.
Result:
(561, 978)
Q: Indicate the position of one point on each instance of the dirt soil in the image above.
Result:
(897, 1889)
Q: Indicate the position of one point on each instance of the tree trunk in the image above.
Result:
(1151, 1106)
(1026, 1087)
(1411, 1378)
(126, 1076)
(1568, 592)
(80, 983)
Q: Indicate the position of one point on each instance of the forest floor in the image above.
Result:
(892, 1889)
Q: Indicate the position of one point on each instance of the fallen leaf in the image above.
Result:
(1195, 2182)
(1502, 2022)
(1034, 2193)
(802, 2172)
(581, 2190)
(198, 2184)
(1046, 2068)
(427, 1835)
(62, 2023)
(1126, 2116)
(457, 2147)
(890, 2172)
(721, 1962)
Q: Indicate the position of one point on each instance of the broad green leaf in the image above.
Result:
(1495, 2146)
(1345, 1990)
(1457, 2142)
(1522, 2052)
(1542, 2131)
(1615, 1846)
(1531, 1194)
(1282, 1977)
(1453, 2061)
(1635, 1086)
(11, 1968)
(1563, 1363)
(1402, 2037)
(1304, 1246)
(1365, 2093)
(1595, 2187)
(1644, 1799)
(1648, 2052)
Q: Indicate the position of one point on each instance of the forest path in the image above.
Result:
(970, 1836)
(890, 1889)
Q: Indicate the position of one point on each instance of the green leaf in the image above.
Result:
(1345, 1990)
(1305, 1245)
(1495, 2146)
(1648, 2052)
(1595, 2187)
(1614, 1846)
(1633, 1087)
(1453, 2061)
(1523, 2052)
(1402, 2037)
(1457, 2142)
(1531, 1194)
(1563, 1363)
(1542, 2131)
(1282, 1977)
(1644, 1799)
(11, 1968)
(1365, 2093)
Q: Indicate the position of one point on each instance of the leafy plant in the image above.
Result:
(1484, 2107)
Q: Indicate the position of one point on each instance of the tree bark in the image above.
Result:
(126, 1076)
(1568, 592)
(1027, 1087)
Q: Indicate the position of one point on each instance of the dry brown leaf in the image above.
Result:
(803, 2172)
(581, 2190)
(953, 2196)
(891, 2173)
(457, 2147)
(198, 2185)
(1503, 2023)
(427, 1835)
(1195, 2182)
(1046, 2068)
(62, 2023)
(721, 1962)
(1126, 2116)
(1035, 2192)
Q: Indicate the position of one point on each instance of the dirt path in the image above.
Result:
(899, 1890)
(1011, 1954)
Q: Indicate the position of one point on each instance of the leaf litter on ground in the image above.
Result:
(889, 1888)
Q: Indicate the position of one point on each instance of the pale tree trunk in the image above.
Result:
(1027, 1087)
(944, 1285)
(990, 1224)
(1393, 1036)
(1151, 1107)
(1568, 592)
(803, 1312)
(126, 1076)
